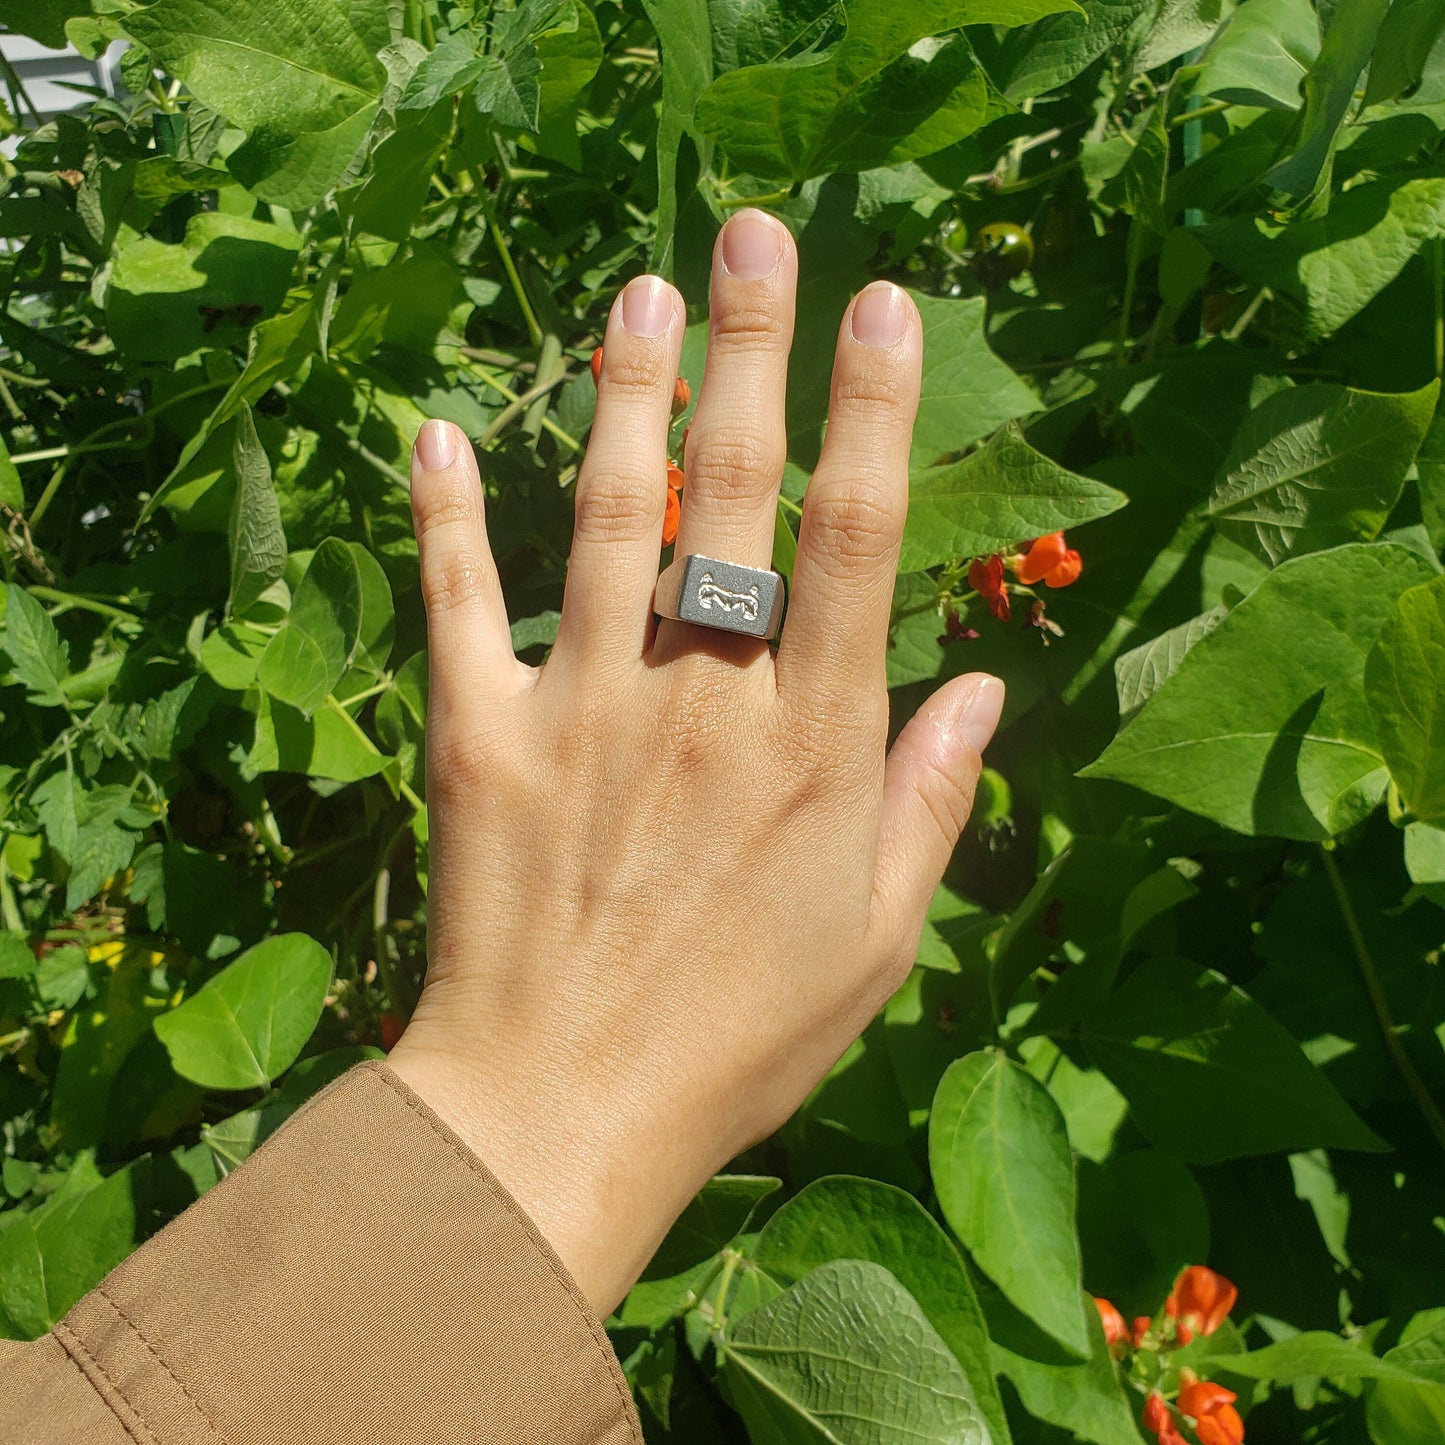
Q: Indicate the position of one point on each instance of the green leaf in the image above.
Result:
(1398, 1411)
(38, 657)
(1313, 1354)
(224, 275)
(967, 391)
(1407, 36)
(329, 744)
(1001, 494)
(1143, 670)
(17, 958)
(12, 491)
(1265, 726)
(1209, 1075)
(1349, 39)
(846, 1353)
(869, 100)
(305, 660)
(846, 1218)
(1335, 264)
(305, 85)
(571, 54)
(42, 20)
(1262, 55)
(1405, 684)
(51, 1256)
(248, 1024)
(1054, 51)
(1000, 1159)
(257, 541)
(1314, 466)
(447, 71)
(685, 37)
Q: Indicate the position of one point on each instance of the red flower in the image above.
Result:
(1159, 1422)
(681, 396)
(1113, 1321)
(1199, 1302)
(596, 366)
(671, 518)
(1211, 1406)
(1141, 1328)
(1049, 560)
(985, 576)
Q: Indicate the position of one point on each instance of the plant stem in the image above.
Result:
(86, 604)
(1371, 976)
(50, 454)
(1185, 116)
(548, 425)
(1437, 267)
(534, 327)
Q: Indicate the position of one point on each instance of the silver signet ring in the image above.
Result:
(723, 595)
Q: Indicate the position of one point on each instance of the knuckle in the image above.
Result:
(455, 579)
(436, 508)
(733, 465)
(743, 325)
(858, 521)
(635, 371)
(458, 758)
(612, 508)
(874, 392)
(948, 796)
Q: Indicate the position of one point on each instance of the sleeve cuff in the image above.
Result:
(363, 1277)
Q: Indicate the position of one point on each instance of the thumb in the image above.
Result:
(928, 789)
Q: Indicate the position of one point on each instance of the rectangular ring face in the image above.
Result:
(732, 598)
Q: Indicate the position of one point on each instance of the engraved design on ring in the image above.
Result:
(709, 594)
(722, 595)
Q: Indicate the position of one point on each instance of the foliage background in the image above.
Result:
(1180, 999)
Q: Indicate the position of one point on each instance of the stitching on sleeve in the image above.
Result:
(162, 1362)
(544, 1251)
(74, 1345)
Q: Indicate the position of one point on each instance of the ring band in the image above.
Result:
(723, 595)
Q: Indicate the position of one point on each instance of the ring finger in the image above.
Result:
(738, 439)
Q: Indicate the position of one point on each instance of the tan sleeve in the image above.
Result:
(362, 1278)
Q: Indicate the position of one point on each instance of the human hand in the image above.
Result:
(672, 874)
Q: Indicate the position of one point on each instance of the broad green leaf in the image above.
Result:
(231, 654)
(1310, 1355)
(1335, 264)
(248, 1024)
(1405, 684)
(100, 1037)
(571, 54)
(1425, 854)
(51, 1256)
(538, 631)
(685, 39)
(12, 491)
(376, 630)
(1407, 35)
(1314, 466)
(306, 659)
(17, 958)
(847, 1218)
(999, 1154)
(1209, 1075)
(43, 20)
(257, 541)
(1043, 56)
(39, 658)
(847, 1354)
(328, 744)
(1143, 670)
(967, 391)
(1397, 1411)
(305, 85)
(869, 100)
(1002, 494)
(1349, 38)
(224, 275)
(449, 69)
(1265, 726)
(394, 192)
(1262, 55)
(1182, 26)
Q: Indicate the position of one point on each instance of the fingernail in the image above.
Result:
(878, 315)
(646, 306)
(751, 246)
(436, 446)
(976, 720)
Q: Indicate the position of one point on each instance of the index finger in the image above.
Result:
(836, 630)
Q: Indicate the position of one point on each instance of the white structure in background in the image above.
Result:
(48, 75)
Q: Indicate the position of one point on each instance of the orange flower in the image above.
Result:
(1199, 1302)
(596, 366)
(1211, 1406)
(985, 576)
(1141, 1328)
(1159, 1422)
(1049, 560)
(681, 396)
(1113, 1321)
(671, 518)
(675, 478)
